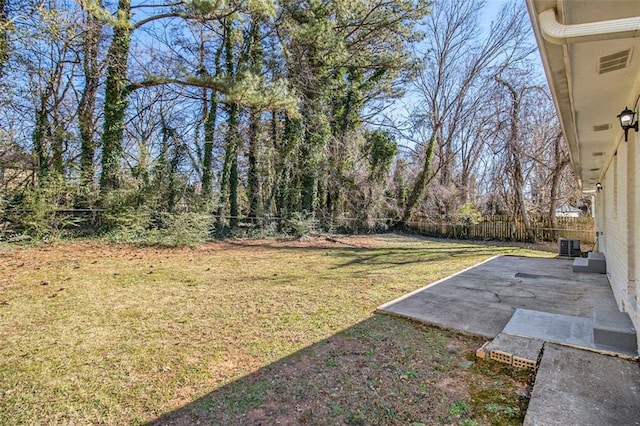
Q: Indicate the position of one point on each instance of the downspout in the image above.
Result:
(557, 33)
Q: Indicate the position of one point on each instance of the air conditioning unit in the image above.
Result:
(568, 247)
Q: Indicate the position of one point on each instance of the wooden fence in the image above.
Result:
(510, 229)
(504, 228)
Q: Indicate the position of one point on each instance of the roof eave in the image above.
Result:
(557, 75)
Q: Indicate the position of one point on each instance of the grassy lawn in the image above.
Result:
(239, 332)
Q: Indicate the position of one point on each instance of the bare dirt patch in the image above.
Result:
(384, 370)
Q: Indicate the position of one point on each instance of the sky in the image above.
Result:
(491, 11)
(402, 107)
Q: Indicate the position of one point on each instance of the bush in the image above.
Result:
(124, 217)
(300, 225)
(468, 214)
(35, 211)
(129, 225)
(143, 227)
(181, 229)
(132, 215)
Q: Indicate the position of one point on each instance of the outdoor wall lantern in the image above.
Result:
(598, 186)
(627, 118)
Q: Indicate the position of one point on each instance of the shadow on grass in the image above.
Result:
(391, 257)
(386, 256)
(384, 370)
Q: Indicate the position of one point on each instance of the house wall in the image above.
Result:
(615, 229)
(634, 231)
(619, 224)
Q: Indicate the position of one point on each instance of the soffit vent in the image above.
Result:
(597, 154)
(614, 62)
(601, 127)
(593, 170)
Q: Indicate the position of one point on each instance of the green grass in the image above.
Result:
(101, 334)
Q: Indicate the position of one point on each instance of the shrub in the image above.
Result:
(35, 211)
(300, 225)
(181, 229)
(468, 214)
(143, 227)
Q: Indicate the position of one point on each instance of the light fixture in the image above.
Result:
(598, 186)
(627, 121)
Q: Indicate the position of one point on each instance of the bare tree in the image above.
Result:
(513, 149)
(451, 89)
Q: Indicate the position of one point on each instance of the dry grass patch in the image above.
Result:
(100, 334)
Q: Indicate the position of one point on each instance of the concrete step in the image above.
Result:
(596, 265)
(520, 352)
(614, 329)
(575, 387)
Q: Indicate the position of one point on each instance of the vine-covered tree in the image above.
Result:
(261, 108)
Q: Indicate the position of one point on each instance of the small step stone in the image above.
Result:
(594, 265)
(614, 329)
(517, 351)
(595, 255)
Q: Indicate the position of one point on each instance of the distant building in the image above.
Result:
(16, 169)
(568, 211)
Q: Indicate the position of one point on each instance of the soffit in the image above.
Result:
(587, 100)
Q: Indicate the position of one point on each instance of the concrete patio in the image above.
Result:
(538, 312)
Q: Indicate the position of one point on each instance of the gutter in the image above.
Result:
(557, 33)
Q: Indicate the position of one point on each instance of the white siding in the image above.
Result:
(632, 229)
(634, 226)
(619, 218)
(615, 231)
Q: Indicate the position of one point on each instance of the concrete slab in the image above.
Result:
(542, 299)
(475, 316)
(482, 299)
(570, 330)
(575, 387)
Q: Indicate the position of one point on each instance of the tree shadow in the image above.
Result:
(384, 257)
(384, 370)
(393, 257)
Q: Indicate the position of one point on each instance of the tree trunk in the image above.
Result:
(346, 107)
(230, 165)
(57, 146)
(160, 172)
(561, 161)
(234, 211)
(173, 193)
(4, 37)
(229, 178)
(115, 99)
(209, 133)
(315, 137)
(255, 127)
(253, 177)
(87, 104)
(420, 185)
(273, 170)
(207, 158)
(286, 192)
(517, 175)
(518, 183)
(41, 135)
